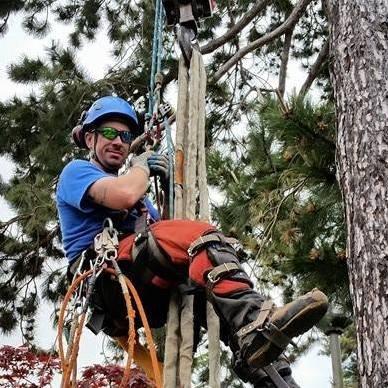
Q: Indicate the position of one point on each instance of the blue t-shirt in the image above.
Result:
(79, 217)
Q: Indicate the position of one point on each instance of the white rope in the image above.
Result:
(170, 375)
(191, 181)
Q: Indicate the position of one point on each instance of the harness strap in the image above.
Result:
(207, 239)
(276, 336)
(149, 260)
(222, 271)
(139, 244)
(139, 269)
(141, 224)
(161, 259)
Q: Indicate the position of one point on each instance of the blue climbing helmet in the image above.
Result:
(105, 108)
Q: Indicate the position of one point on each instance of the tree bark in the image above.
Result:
(359, 73)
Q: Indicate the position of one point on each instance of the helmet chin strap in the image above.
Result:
(95, 158)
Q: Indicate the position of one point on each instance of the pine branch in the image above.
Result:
(268, 230)
(288, 24)
(238, 27)
(4, 225)
(315, 69)
(266, 151)
(4, 24)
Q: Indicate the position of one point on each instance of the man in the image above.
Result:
(166, 253)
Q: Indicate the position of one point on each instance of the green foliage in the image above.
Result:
(283, 199)
(349, 359)
(27, 71)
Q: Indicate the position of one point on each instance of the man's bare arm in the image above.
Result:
(120, 192)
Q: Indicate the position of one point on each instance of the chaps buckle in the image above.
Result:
(217, 273)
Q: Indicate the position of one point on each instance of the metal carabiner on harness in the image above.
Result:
(106, 242)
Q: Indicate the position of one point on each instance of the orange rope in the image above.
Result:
(150, 340)
(68, 364)
(74, 351)
(61, 317)
(131, 327)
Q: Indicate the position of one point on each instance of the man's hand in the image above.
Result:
(159, 166)
(141, 161)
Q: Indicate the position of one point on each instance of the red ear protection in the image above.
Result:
(78, 136)
(78, 133)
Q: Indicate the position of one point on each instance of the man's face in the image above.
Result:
(110, 153)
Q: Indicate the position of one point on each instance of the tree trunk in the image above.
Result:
(359, 74)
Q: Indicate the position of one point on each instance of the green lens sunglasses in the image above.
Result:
(111, 134)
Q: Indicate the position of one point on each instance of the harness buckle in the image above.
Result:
(141, 236)
(192, 250)
(215, 275)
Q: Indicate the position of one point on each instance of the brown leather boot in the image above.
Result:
(259, 331)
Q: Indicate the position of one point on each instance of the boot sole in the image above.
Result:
(299, 324)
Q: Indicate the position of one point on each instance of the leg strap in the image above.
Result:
(276, 336)
(224, 270)
(258, 324)
(214, 237)
(223, 257)
(278, 373)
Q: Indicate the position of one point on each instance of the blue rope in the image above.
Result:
(160, 39)
(155, 49)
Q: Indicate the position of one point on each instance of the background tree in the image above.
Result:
(359, 47)
(283, 200)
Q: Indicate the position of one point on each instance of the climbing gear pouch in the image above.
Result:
(96, 321)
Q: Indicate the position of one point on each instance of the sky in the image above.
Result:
(311, 371)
